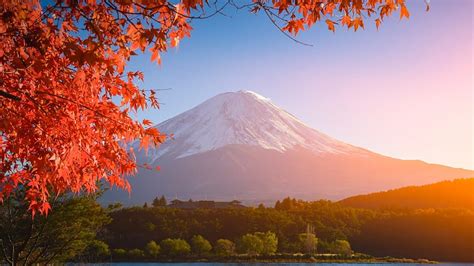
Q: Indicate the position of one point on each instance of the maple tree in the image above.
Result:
(63, 62)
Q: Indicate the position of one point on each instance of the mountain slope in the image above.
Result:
(245, 118)
(447, 194)
(240, 145)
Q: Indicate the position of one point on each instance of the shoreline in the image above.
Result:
(285, 258)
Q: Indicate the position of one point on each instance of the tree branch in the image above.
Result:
(9, 96)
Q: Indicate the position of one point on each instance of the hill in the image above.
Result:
(457, 193)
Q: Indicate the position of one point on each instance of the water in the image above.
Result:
(282, 264)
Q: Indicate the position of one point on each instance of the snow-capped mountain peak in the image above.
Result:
(242, 117)
(275, 156)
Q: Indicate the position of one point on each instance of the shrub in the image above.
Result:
(136, 253)
(200, 245)
(251, 244)
(152, 249)
(341, 247)
(119, 253)
(308, 242)
(175, 247)
(224, 248)
(97, 250)
(270, 242)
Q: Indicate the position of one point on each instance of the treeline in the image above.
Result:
(256, 244)
(80, 230)
(447, 194)
(136, 226)
(437, 234)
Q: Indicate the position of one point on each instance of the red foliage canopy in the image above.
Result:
(61, 65)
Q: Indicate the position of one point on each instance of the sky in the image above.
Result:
(405, 91)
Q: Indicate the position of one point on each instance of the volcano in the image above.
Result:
(239, 145)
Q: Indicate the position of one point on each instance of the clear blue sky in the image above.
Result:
(403, 91)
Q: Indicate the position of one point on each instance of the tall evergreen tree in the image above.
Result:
(160, 202)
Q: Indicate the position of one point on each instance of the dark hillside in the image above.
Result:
(458, 193)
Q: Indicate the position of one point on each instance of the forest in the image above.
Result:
(456, 193)
(82, 230)
(435, 234)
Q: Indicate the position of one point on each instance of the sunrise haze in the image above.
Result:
(404, 91)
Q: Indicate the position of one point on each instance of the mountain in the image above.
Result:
(457, 193)
(239, 145)
(242, 118)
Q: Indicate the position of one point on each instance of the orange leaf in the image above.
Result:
(330, 25)
(174, 41)
(155, 56)
(358, 22)
(404, 11)
(377, 23)
(346, 20)
(23, 55)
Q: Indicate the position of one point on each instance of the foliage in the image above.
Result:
(269, 241)
(61, 63)
(130, 227)
(250, 244)
(60, 67)
(287, 204)
(159, 202)
(175, 247)
(342, 247)
(114, 206)
(96, 251)
(349, 14)
(119, 253)
(200, 246)
(447, 194)
(308, 242)
(446, 233)
(135, 254)
(259, 243)
(153, 249)
(224, 248)
(61, 235)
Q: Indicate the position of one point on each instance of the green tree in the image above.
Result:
(136, 253)
(63, 234)
(286, 204)
(277, 205)
(251, 244)
(150, 227)
(175, 247)
(200, 246)
(342, 247)
(119, 253)
(114, 206)
(308, 242)
(160, 202)
(153, 249)
(224, 248)
(96, 251)
(270, 242)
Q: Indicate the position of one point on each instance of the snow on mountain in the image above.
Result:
(242, 117)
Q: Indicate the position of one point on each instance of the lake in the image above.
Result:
(282, 264)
